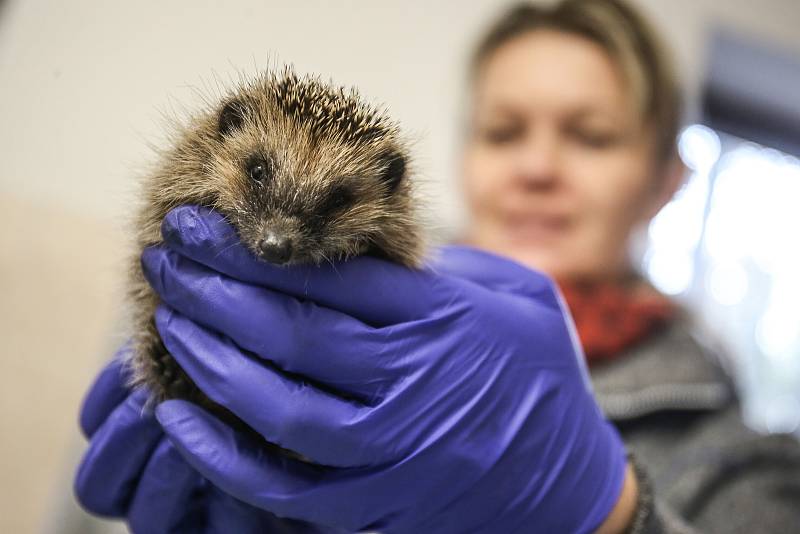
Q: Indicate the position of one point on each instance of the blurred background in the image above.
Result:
(84, 85)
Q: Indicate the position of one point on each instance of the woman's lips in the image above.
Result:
(534, 228)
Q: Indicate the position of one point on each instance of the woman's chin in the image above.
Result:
(546, 260)
(552, 257)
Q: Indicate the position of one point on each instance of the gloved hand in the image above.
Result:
(435, 403)
(132, 471)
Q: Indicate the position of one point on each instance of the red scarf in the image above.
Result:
(612, 317)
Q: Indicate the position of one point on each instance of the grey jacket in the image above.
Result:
(699, 468)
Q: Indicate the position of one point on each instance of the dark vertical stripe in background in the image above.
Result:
(752, 91)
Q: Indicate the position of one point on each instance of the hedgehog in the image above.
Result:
(305, 171)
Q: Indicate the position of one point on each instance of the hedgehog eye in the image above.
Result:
(339, 198)
(259, 169)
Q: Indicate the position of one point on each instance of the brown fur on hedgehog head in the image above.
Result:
(305, 171)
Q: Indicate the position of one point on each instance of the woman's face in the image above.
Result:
(558, 169)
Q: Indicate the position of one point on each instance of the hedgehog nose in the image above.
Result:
(275, 248)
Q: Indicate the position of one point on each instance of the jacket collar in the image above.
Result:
(672, 371)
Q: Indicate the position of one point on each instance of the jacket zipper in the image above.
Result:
(652, 399)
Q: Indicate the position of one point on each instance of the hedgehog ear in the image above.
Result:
(394, 170)
(231, 117)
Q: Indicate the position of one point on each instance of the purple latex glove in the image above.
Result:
(436, 403)
(131, 471)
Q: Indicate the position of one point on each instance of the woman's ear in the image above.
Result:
(672, 176)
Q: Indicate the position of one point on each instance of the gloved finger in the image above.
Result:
(241, 467)
(298, 336)
(107, 392)
(375, 291)
(234, 462)
(295, 415)
(491, 271)
(116, 456)
(163, 493)
(225, 513)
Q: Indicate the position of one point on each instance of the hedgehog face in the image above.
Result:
(309, 174)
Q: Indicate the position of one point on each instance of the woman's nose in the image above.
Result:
(538, 161)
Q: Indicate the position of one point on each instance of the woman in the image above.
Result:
(471, 413)
(575, 113)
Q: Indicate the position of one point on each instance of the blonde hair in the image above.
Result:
(624, 34)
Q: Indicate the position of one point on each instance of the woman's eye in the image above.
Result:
(259, 170)
(594, 139)
(500, 136)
